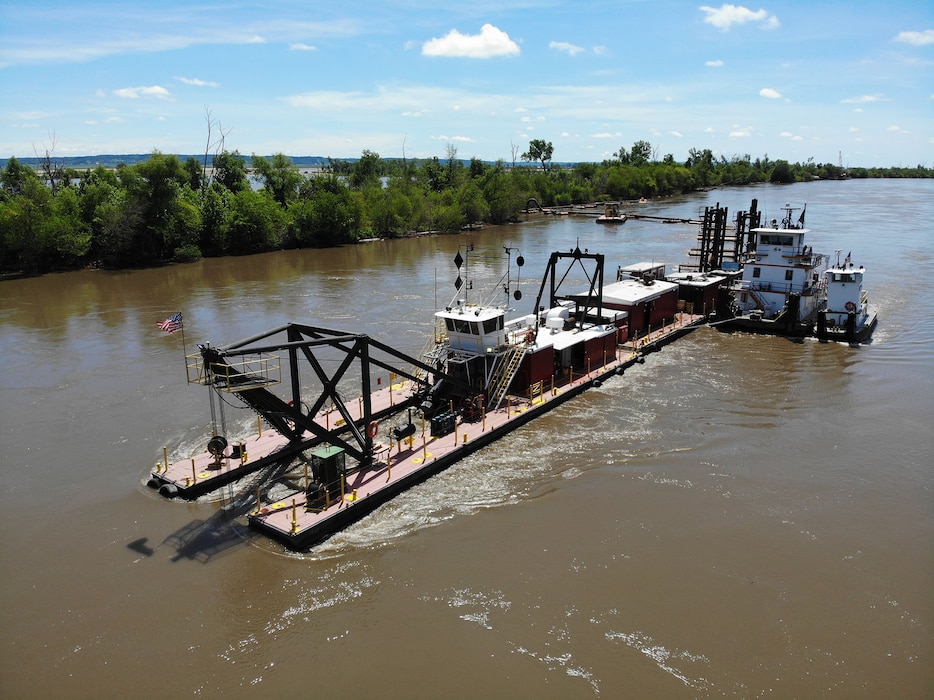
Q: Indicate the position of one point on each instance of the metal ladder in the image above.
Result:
(503, 375)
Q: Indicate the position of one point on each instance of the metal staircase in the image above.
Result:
(503, 374)
(754, 293)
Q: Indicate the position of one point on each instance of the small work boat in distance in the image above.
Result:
(612, 215)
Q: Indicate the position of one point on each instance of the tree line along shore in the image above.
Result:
(165, 209)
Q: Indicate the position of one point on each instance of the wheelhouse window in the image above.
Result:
(491, 325)
(456, 325)
(789, 275)
(757, 272)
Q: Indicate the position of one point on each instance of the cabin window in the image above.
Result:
(757, 272)
(491, 325)
(789, 275)
(461, 326)
(474, 328)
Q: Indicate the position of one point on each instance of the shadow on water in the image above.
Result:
(198, 540)
(202, 540)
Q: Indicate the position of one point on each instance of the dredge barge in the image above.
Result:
(330, 461)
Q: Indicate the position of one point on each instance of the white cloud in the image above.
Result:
(916, 38)
(727, 15)
(607, 135)
(862, 99)
(599, 49)
(741, 132)
(714, 64)
(302, 47)
(491, 41)
(134, 93)
(770, 93)
(570, 49)
(676, 134)
(31, 115)
(197, 82)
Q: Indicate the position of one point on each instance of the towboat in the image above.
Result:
(782, 287)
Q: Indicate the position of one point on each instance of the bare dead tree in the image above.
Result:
(217, 145)
(515, 153)
(53, 170)
(405, 165)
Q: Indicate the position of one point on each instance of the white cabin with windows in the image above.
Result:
(845, 293)
(474, 329)
(779, 263)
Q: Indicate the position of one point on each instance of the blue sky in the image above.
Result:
(789, 79)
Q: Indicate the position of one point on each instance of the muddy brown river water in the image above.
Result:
(740, 516)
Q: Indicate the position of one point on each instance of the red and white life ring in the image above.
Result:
(850, 306)
(372, 429)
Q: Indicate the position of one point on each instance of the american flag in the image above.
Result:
(172, 323)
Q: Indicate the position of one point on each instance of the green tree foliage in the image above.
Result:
(279, 176)
(367, 171)
(154, 188)
(541, 151)
(230, 171)
(14, 177)
(160, 210)
(325, 214)
(782, 172)
(641, 153)
(256, 223)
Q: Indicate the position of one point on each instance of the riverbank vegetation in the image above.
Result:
(165, 209)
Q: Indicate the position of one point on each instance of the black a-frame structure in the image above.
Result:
(242, 368)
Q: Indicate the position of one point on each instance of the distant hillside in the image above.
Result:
(112, 161)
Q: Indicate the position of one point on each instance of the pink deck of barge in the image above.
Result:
(194, 476)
